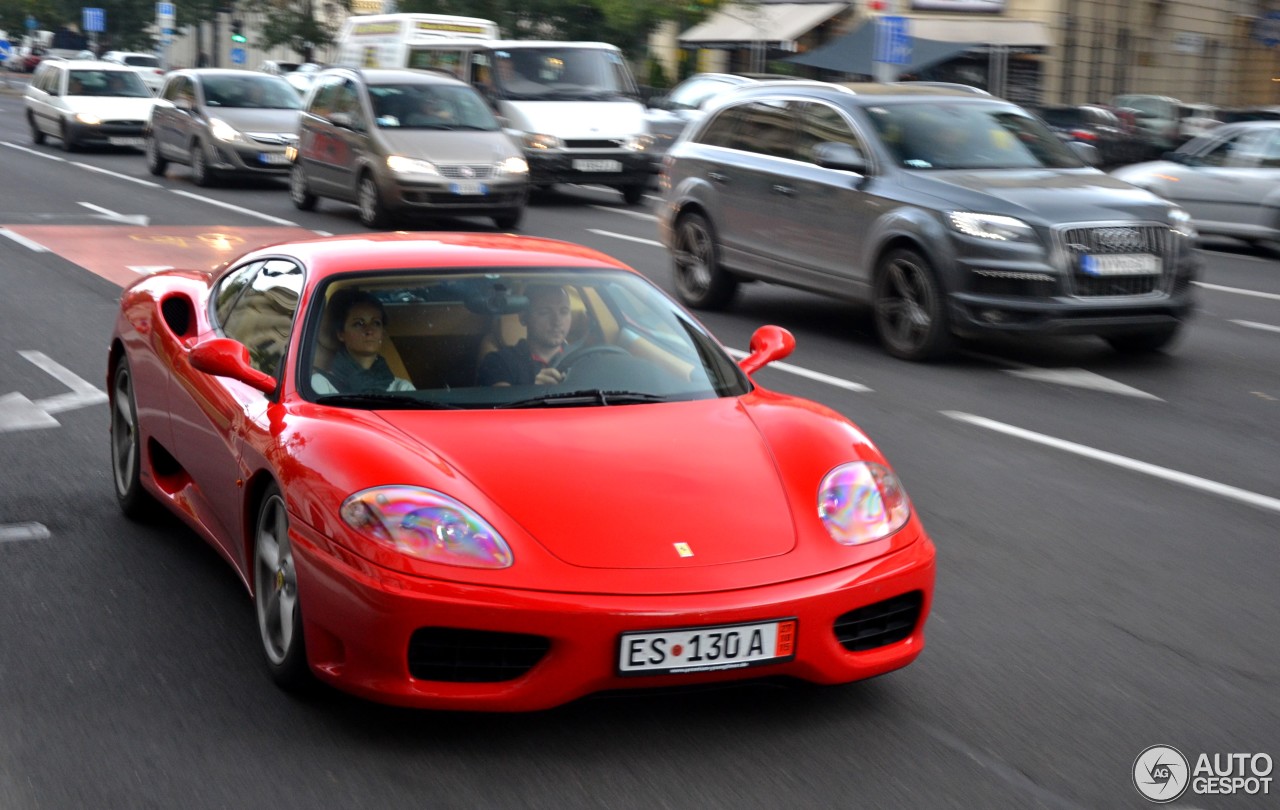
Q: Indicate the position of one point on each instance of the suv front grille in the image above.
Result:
(880, 624)
(611, 143)
(473, 656)
(1119, 239)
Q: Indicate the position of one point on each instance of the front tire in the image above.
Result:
(201, 174)
(155, 163)
(1144, 342)
(302, 197)
(126, 447)
(37, 134)
(373, 212)
(910, 312)
(275, 594)
(68, 142)
(700, 280)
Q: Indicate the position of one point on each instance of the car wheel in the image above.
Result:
(910, 313)
(68, 143)
(632, 195)
(510, 220)
(373, 213)
(155, 163)
(1142, 342)
(275, 594)
(700, 280)
(126, 446)
(201, 174)
(302, 197)
(37, 134)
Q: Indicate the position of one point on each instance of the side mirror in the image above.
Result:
(1086, 152)
(224, 357)
(341, 119)
(842, 156)
(769, 343)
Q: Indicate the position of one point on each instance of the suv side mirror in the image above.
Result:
(842, 156)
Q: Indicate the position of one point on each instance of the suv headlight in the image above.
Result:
(861, 502)
(991, 226)
(426, 525)
(407, 165)
(539, 140)
(1180, 223)
(88, 118)
(638, 143)
(223, 131)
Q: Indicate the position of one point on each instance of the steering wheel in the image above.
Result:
(574, 356)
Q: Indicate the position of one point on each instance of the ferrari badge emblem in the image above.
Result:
(683, 549)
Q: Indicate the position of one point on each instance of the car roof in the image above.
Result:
(409, 75)
(853, 90)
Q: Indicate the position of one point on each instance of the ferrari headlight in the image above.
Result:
(1180, 223)
(223, 131)
(88, 118)
(513, 165)
(991, 226)
(407, 165)
(539, 140)
(861, 502)
(426, 525)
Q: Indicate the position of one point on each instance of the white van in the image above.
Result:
(573, 106)
(383, 40)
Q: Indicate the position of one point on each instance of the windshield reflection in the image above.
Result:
(968, 136)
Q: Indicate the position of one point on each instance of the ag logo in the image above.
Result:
(1161, 773)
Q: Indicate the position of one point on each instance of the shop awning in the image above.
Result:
(854, 52)
(777, 24)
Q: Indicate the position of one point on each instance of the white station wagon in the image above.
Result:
(84, 102)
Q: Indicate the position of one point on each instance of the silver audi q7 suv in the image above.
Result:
(951, 213)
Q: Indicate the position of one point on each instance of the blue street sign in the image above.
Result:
(166, 10)
(237, 56)
(5, 49)
(94, 20)
(893, 43)
(31, 23)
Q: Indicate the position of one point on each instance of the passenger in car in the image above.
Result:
(548, 318)
(360, 323)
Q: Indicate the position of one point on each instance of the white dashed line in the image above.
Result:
(1266, 327)
(848, 385)
(626, 212)
(625, 237)
(17, 532)
(1185, 479)
(246, 211)
(116, 175)
(35, 152)
(1237, 290)
(24, 241)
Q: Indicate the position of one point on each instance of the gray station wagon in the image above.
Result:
(952, 214)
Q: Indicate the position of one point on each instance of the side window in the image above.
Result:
(822, 124)
(170, 90)
(322, 101)
(348, 101)
(768, 128)
(722, 129)
(1232, 152)
(229, 288)
(262, 317)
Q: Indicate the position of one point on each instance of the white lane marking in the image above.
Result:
(1185, 479)
(625, 237)
(625, 212)
(82, 392)
(848, 385)
(246, 211)
(140, 220)
(16, 532)
(19, 413)
(100, 209)
(1266, 327)
(24, 241)
(1237, 290)
(117, 175)
(35, 152)
(1081, 378)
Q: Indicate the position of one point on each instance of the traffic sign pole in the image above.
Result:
(166, 22)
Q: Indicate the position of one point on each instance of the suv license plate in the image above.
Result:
(597, 165)
(1124, 264)
(274, 158)
(706, 649)
(138, 142)
(468, 187)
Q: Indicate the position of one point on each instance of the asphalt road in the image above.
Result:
(1106, 530)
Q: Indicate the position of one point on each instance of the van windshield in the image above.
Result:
(561, 74)
(427, 106)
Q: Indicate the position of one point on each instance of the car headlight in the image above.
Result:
(638, 143)
(1180, 223)
(223, 131)
(426, 525)
(88, 118)
(538, 140)
(991, 226)
(513, 165)
(861, 502)
(407, 165)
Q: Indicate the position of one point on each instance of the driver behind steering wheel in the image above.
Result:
(533, 360)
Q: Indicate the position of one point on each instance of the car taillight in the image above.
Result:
(1083, 135)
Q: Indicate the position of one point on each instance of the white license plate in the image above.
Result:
(274, 158)
(706, 649)
(597, 165)
(468, 187)
(1123, 264)
(138, 142)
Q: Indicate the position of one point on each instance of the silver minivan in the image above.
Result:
(398, 142)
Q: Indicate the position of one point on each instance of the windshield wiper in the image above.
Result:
(385, 402)
(593, 396)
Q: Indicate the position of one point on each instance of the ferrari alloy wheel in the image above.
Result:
(700, 280)
(201, 174)
(126, 446)
(302, 197)
(275, 594)
(155, 163)
(373, 214)
(37, 134)
(910, 313)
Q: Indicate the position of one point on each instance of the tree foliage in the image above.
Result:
(302, 25)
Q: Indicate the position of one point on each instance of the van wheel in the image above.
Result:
(700, 280)
(302, 197)
(373, 212)
(155, 163)
(37, 134)
(632, 195)
(910, 313)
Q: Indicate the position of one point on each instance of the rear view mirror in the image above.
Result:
(842, 156)
(769, 343)
(224, 357)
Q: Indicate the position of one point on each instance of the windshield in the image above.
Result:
(430, 106)
(955, 135)
(252, 91)
(561, 74)
(106, 83)
(540, 338)
(142, 61)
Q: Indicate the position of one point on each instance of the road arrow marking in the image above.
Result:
(140, 220)
(83, 393)
(19, 413)
(1080, 378)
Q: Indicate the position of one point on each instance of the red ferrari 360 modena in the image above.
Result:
(493, 472)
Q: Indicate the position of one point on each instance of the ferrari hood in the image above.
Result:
(632, 486)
